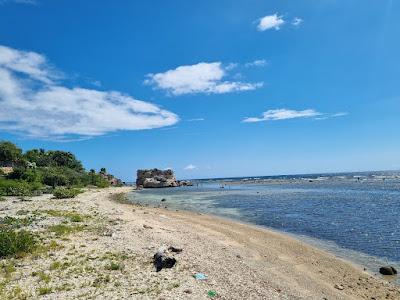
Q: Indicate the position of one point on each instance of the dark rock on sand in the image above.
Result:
(161, 260)
(387, 270)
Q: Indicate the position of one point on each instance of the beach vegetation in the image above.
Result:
(71, 215)
(44, 290)
(39, 171)
(7, 268)
(55, 265)
(113, 266)
(13, 223)
(65, 229)
(64, 193)
(16, 243)
(17, 187)
(10, 154)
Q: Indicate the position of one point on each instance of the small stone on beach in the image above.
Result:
(339, 287)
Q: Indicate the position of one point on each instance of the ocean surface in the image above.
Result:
(354, 215)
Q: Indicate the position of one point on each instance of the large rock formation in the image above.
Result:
(155, 178)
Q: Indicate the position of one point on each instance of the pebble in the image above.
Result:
(339, 287)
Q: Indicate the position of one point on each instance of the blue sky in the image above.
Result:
(208, 88)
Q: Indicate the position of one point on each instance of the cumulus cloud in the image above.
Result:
(199, 78)
(190, 167)
(297, 21)
(35, 103)
(283, 114)
(269, 22)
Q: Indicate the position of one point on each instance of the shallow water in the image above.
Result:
(358, 220)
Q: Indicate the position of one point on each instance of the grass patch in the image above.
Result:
(13, 223)
(100, 280)
(15, 243)
(55, 265)
(44, 290)
(17, 293)
(42, 276)
(7, 268)
(71, 215)
(65, 193)
(64, 287)
(64, 229)
(43, 249)
(113, 266)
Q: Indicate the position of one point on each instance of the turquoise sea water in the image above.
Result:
(354, 216)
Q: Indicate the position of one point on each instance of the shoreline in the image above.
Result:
(241, 261)
(368, 262)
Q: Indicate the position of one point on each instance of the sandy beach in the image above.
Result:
(96, 248)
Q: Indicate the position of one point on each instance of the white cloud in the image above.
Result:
(34, 103)
(335, 115)
(269, 22)
(297, 21)
(190, 167)
(340, 114)
(196, 120)
(283, 114)
(256, 63)
(199, 78)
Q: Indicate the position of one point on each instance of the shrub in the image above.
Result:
(97, 180)
(63, 193)
(14, 188)
(63, 176)
(16, 242)
(13, 223)
(54, 177)
(19, 187)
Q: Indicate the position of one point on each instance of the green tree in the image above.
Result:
(10, 154)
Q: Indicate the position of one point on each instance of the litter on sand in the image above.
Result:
(200, 276)
(212, 293)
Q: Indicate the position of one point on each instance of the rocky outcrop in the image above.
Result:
(155, 178)
(112, 180)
